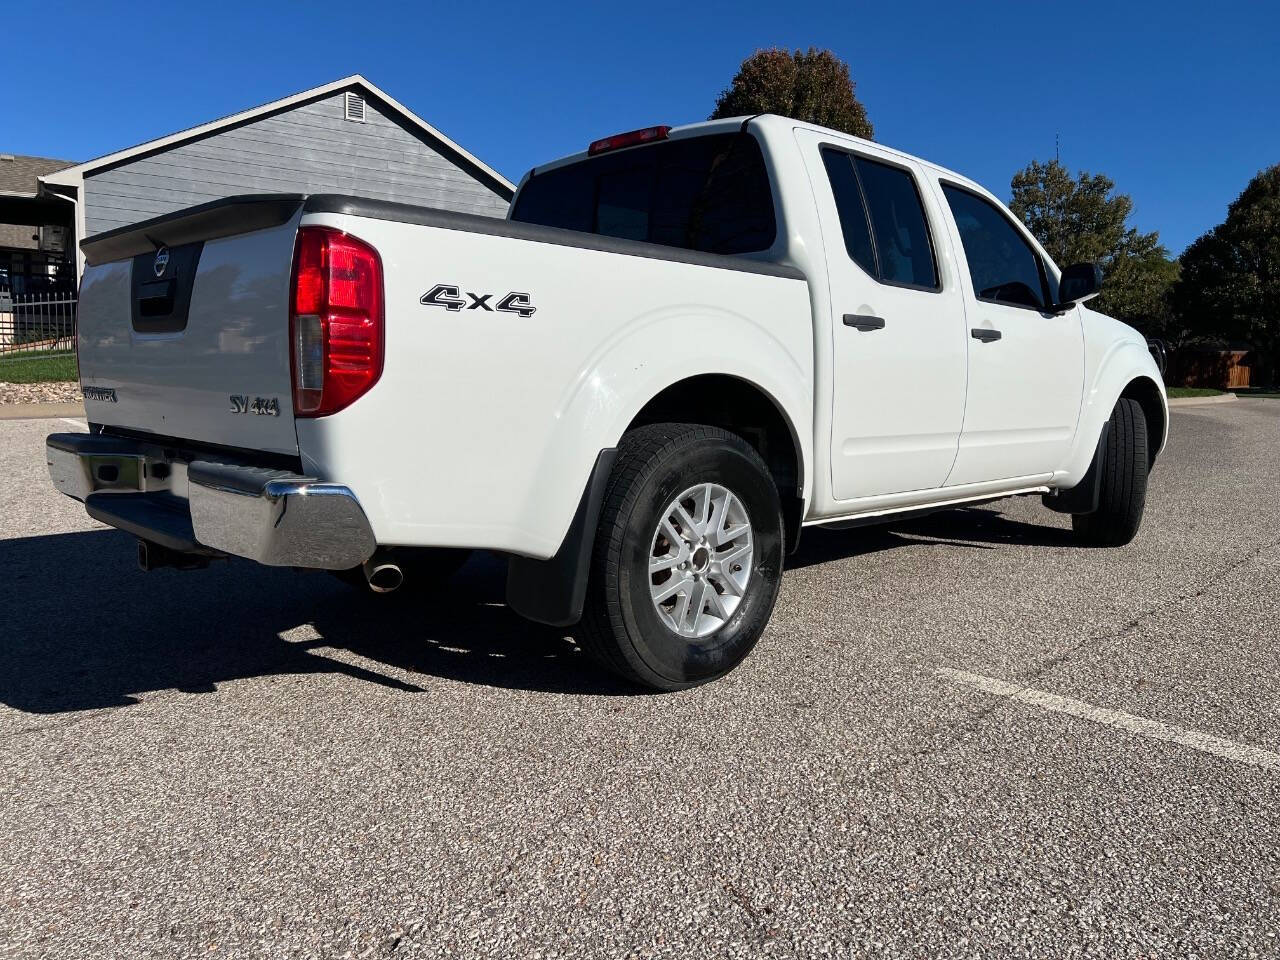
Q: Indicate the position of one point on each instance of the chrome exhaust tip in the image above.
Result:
(383, 577)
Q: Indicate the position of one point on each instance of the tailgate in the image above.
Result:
(184, 324)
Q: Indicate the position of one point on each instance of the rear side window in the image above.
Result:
(852, 210)
(882, 219)
(1002, 265)
(702, 193)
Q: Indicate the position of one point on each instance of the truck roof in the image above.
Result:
(779, 124)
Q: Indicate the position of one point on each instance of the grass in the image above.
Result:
(1176, 392)
(38, 368)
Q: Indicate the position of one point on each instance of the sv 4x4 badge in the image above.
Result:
(259, 406)
(449, 296)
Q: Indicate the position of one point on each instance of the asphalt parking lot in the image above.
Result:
(961, 736)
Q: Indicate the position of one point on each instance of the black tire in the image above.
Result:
(1124, 481)
(620, 627)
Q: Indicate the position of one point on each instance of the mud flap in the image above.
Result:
(1084, 496)
(553, 591)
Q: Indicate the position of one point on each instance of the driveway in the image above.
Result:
(961, 736)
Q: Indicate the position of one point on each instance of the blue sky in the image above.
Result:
(1178, 102)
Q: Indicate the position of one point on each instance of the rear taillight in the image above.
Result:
(335, 320)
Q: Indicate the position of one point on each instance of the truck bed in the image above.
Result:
(467, 391)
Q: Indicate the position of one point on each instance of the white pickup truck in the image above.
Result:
(681, 347)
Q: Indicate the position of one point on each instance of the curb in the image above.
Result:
(40, 411)
(1201, 401)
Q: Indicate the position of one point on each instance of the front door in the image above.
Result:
(1026, 363)
(898, 331)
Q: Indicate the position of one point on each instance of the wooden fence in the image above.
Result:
(1217, 369)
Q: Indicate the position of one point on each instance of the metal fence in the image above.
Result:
(37, 322)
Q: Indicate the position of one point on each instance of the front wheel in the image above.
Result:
(687, 559)
(1123, 486)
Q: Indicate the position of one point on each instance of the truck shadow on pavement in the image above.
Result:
(971, 528)
(84, 629)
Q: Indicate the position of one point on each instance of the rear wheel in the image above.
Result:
(1123, 492)
(687, 558)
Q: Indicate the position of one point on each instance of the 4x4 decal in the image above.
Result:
(449, 296)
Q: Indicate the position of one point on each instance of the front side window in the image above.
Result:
(1002, 265)
(882, 218)
(706, 193)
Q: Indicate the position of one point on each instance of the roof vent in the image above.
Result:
(353, 104)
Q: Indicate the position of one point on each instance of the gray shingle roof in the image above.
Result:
(18, 174)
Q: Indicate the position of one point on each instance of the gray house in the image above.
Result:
(344, 137)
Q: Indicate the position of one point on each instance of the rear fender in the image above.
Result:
(651, 354)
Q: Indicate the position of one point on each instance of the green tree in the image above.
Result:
(1082, 218)
(1230, 282)
(814, 87)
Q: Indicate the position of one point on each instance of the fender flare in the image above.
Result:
(1126, 368)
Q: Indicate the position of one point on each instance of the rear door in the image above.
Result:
(898, 330)
(1026, 364)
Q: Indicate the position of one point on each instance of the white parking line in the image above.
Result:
(1203, 742)
(75, 423)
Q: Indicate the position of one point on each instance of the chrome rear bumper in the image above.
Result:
(203, 506)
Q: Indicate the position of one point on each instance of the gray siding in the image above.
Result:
(308, 149)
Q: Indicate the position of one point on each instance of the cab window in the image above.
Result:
(708, 193)
(1002, 265)
(882, 218)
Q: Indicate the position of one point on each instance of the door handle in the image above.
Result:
(863, 321)
(985, 334)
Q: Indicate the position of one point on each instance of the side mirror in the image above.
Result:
(1080, 281)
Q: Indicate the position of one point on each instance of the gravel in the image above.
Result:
(261, 763)
(54, 392)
